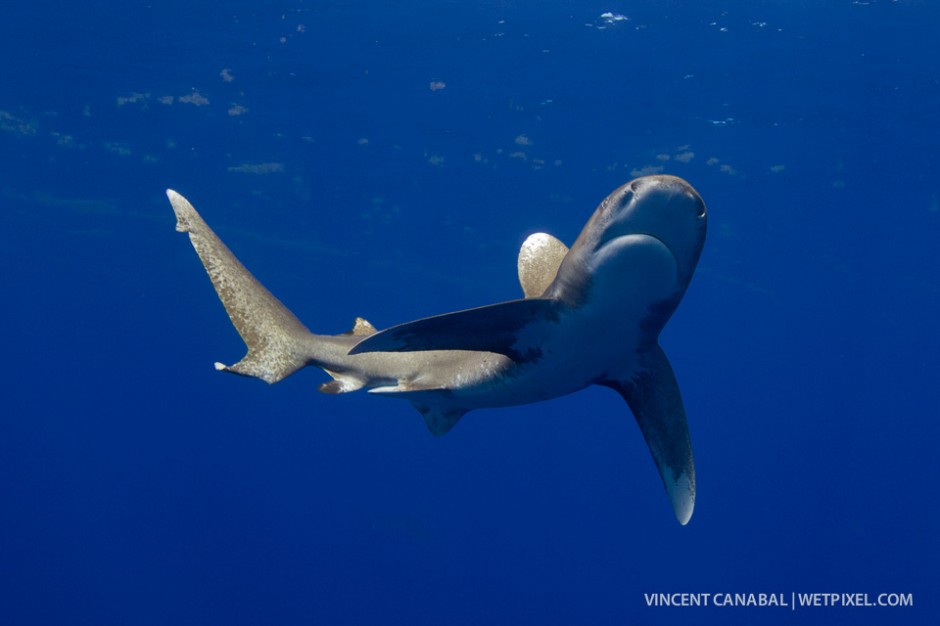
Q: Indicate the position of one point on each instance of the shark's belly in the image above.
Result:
(564, 367)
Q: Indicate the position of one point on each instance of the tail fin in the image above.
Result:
(275, 338)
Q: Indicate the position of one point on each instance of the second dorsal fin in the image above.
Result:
(361, 328)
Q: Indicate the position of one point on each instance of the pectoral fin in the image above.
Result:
(654, 398)
(513, 328)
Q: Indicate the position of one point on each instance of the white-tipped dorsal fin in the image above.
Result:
(361, 328)
(539, 259)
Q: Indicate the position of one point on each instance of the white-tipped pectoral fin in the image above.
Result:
(653, 396)
(681, 490)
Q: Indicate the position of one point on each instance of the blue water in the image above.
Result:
(386, 160)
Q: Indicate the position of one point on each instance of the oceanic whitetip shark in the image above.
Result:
(591, 315)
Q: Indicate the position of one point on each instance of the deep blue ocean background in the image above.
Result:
(387, 159)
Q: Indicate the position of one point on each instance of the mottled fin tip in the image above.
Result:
(275, 338)
(343, 382)
(331, 387)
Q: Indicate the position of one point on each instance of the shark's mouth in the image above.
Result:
(665, 245)
(605, 243)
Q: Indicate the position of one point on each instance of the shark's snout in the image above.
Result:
(670, 189)
(661, 206)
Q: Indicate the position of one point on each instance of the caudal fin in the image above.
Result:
(275, 338)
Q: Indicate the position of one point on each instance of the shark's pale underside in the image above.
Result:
(591, 315)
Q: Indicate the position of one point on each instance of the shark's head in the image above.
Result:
(661, 213)
(664, 207)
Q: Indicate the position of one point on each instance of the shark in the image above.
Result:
(591, 314)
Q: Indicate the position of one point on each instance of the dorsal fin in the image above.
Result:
(539, 259)
(361, 328)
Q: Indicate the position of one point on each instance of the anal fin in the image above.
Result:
(341, 383)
